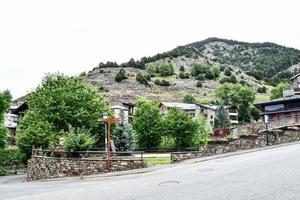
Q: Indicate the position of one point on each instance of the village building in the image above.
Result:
(117, 111)
(15, 114)
(209, 112)
(193, 110)
(284, 111)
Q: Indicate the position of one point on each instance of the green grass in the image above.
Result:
(156, 161)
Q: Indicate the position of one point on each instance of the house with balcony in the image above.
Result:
(284, 111)
(209, 112)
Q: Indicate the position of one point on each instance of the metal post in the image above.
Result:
(108, 146)
(105, 140)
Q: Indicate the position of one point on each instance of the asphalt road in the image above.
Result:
(269, 174)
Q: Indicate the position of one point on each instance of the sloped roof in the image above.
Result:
(183, 106)
(280, 100)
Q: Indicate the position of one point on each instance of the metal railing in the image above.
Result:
(99, 155)
(13, 170)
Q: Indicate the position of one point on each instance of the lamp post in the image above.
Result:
(105, 116)
(108, 121)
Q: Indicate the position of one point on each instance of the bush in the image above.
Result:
(233, 79)
(189, 99)
(184, 75)
(209, 75)
(182, 69)
(199, 84)
(121, 75)
(227, 72)
(78, 140)
(3, 137)
(201, 77)
(162, 82)
(9, 158)
(142, 79)
(224, 80)
(166, 70)
(262, 89)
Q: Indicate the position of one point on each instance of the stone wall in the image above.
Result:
(242, 143)
(48, 167)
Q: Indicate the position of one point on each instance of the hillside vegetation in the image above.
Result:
(197, 69)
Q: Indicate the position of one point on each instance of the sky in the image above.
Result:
(71, 36)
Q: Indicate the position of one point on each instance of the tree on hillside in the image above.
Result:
(121, 75)
(189, 99)
(216, 70)
(277, 92)
(222, 117)
(147, 123)
(5, 100)
(181, 127)
(166, 70)
(59, 103)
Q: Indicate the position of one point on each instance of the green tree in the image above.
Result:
(216, 70)
(60, 102)
(151, 70)
(146, 124)
(122, 135)
(209, 75)
(255, 113)
(78, 139)
(142, 79)
(5, 100)
(189, 99)
(166, 70)
(222, 117)
(277, 92)
(202, 132)
(199, 84)
(182, 69)
(121, 75)
(237, 95)
(181, 127)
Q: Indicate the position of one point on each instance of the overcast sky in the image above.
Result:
(70, 36)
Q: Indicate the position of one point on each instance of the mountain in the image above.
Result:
(255, 64)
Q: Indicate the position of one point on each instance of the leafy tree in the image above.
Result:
(121, 75)
(255, 113)
(277, 92)
(216, 70)
(122, 135)
(5, 100)
(142, 79)
(60, 102)
(166, 70)
(146, 124)
(151, 70)
(237, 95)
(3, 137)
(189, 99)
(203, 130)
(181, 127)
(222, 117)
(199, 69)
(78, 139)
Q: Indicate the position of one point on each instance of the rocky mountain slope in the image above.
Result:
(254, 64)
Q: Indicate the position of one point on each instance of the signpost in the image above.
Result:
(109, 121)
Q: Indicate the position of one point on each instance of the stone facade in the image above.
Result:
(242, 143)
(48, 167)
